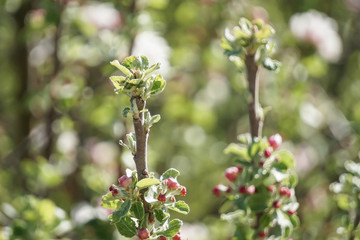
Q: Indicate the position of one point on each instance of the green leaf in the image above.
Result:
(154, 119)
(174, 228)
(239, 151)
(343, 201)
(180, 207)
(160, 215)
(286, 160)
(265, 220)
(295, 221)
(172, 172)
(125, 112)
(271, 64)
(243, 232)
(122, 68)
(226, 206)
(144, 62)
(265, 32)
(138, 209)
(259, 201)
(255, 148)
(158, 85)
(151, 195)
(126, 227)
(117, 81)
(110, 202)
(225, 44)
(151, 69)
(147, 182)
(244, 138)
(128, 62)
(121, 212)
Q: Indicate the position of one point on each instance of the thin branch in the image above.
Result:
(51, 116)
(140, 158)
(256, 121)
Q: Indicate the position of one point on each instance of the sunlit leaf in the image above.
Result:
(180, 207)
(147, 182)
(174, 228)
(172, 172)
(122, 68)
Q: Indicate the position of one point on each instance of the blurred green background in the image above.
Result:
(60, 120)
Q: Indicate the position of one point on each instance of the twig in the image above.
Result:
(256, 121)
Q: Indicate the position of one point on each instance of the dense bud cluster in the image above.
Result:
(262, 184)
(129, 215)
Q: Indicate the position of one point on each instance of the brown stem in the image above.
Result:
(256, 121)
(255, 118)
(141, 134)
(140, 156)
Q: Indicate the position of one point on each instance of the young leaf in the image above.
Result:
(286, 160)
(147, 182)
(172, 172)
(158, 85)
(154, 119)
(122, 68)
(239, 151)
(258, 202)
(125, 112)
(174, 227)
(118, 82)
(149, 71)
(151, 195)
(126, 227)
(110, 202)
(138, 209)
(180, 207)
(271, 64)
(128, 62)
(160, 215)
(121, 212)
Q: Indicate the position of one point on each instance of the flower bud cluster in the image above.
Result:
(263, 182)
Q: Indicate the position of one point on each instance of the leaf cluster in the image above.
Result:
(250, 38)
(138, 79)
(129, 213)
(255, 212)
(347, 195)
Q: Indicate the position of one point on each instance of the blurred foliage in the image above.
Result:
(60, 120)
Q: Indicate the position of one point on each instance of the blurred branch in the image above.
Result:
(133, 30)
(19, 59)
(51, 116)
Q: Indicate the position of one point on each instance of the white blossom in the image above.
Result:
(319, 29)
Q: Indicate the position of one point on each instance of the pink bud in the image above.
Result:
(232, 173)
(271, 188)
(161, 197)
(143, 233)
(275, 141)
(242, 190)
(276, 204)
(183, 191)
(125, 181)
(172, 184)
(268, 152)
(251, 189)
